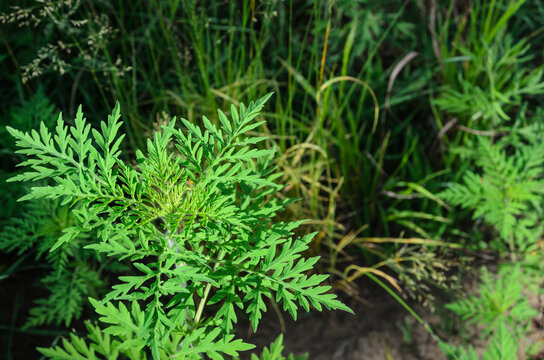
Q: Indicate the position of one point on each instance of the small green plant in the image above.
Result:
(406, 329)
(500, 309)
(71, 274)
(499, 300)
(275, 352)
(195, 224)
(506, 192)
(487, 90)
(25, 115)
(500, 346)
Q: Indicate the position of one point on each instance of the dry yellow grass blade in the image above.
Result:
(362, 270)
(300, 147)
(349, 238)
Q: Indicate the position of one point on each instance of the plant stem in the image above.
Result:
(202, 303)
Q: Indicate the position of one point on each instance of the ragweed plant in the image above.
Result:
(500, 346)
(506, 192)
(68, 275)
(499, 300)
(502, 312)
(193, 216)
(275, 352)
(486, 70)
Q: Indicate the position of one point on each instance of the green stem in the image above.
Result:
(202, 302)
